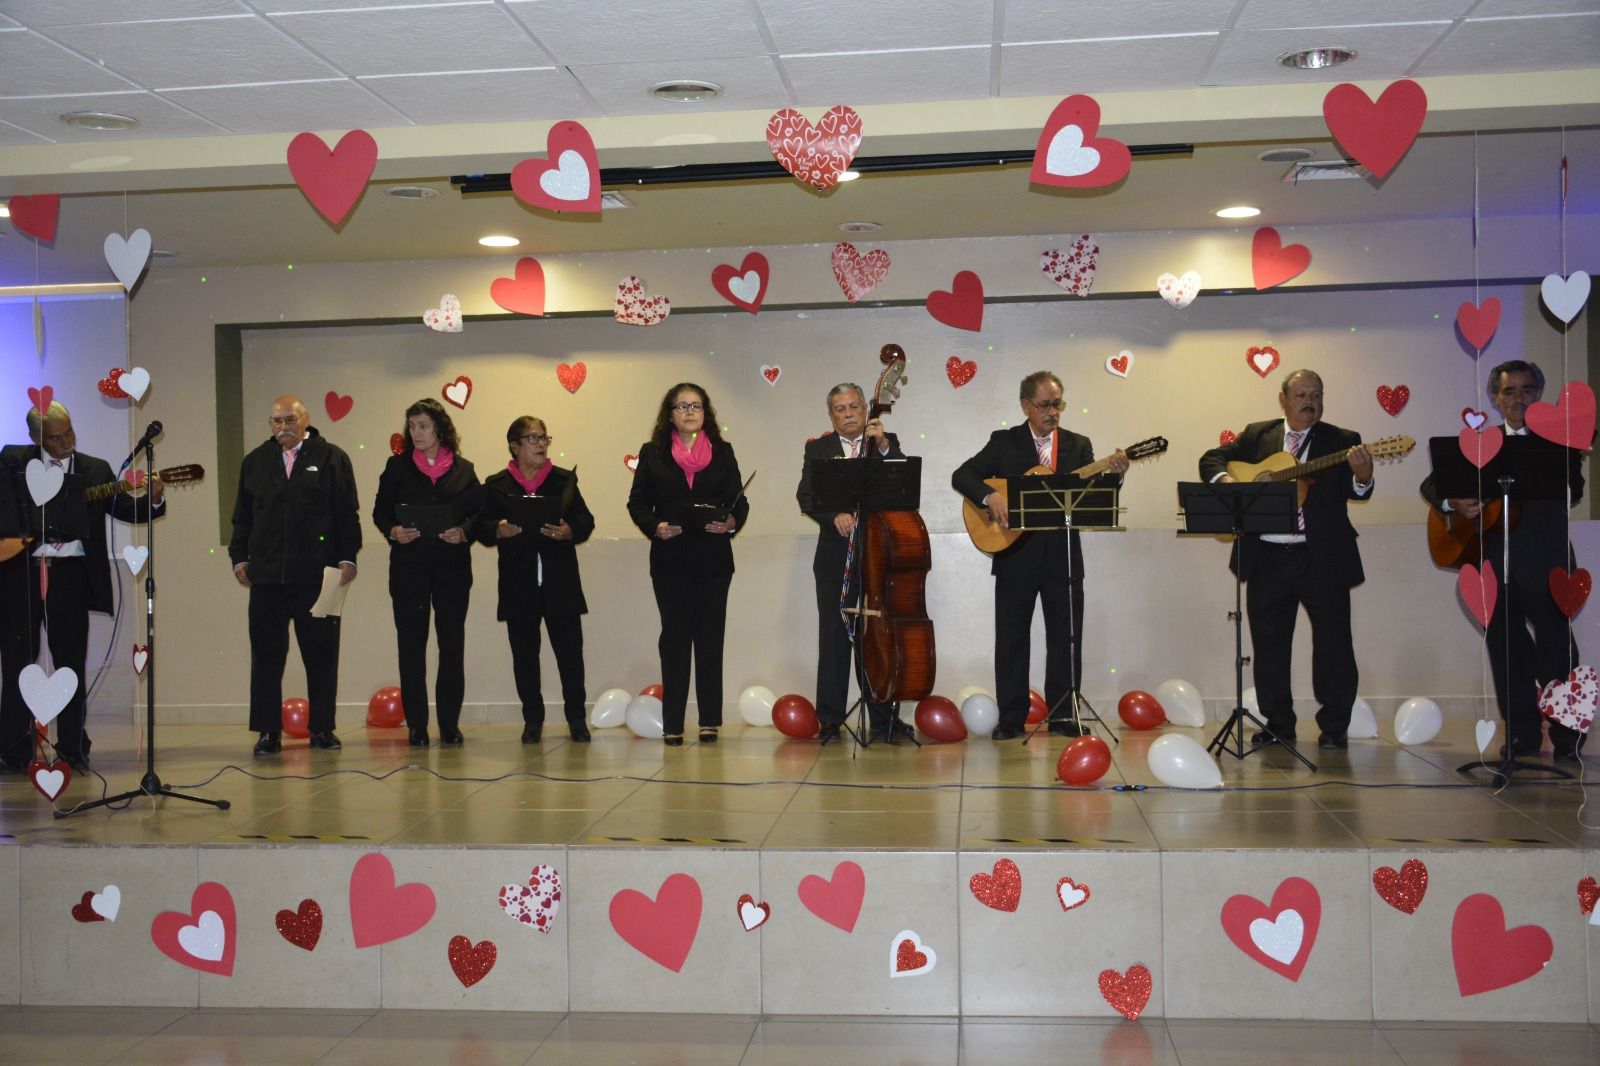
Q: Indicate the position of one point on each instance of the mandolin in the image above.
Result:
(1454, 541)
(173, 475)
(1281, 466)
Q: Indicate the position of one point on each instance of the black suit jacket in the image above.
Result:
(1330, 538)
(290, 528)
(660, 489)
(831, 547)
(401, 482)
(520, 556)
(1011, 453)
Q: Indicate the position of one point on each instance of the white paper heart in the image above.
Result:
(1179, 291)
(634, 308)
(1565, 297)
(107, 902)
(47, 695)
(535, 902)
(128, 258)
(751, 915)
(1263, 361)
(141, 656)
(1074, 269)
(569, 180)
(1483, 731)
(1594, 916)
(446, 318)
(1068, 156)
(1572, 701)
(135, 557)
(747, 287)
(206, 939)
(1279, 940)
(1071, 894)
(457, 392)
(1120, 363)
(44, 481)
(135, 383)
(50, 782)
(916, 945)
(1475, 419)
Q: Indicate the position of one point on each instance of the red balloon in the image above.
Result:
(385, 709)
(654, 690)
(1038, 709)
(795, 717)
(297, 717)
(939, 719)
(1084, 760)
(1141, 710)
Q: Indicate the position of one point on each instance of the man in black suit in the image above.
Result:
(294, 516)
(853, 437)
(1314, 567)
(1538, 545)
(67, 540)
(1040, 566)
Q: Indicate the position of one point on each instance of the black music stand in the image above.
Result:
(861, 487)
(1526, 468)
(1238, 508)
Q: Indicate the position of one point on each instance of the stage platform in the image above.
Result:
(946, 881)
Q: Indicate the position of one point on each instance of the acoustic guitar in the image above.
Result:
(173, 475)
(1454, 541)
(986, 534)
(1281, 466)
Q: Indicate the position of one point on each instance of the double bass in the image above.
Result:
(897, 635)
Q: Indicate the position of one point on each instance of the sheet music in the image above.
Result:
(331, 600)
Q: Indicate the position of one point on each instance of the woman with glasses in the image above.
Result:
(428, 496)
(688, 500)
(534, 515)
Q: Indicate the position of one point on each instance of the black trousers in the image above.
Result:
(566, 640)
(1546, 655)
(694, 614)
(834, 649)
(272, 609)
(442, 591)
(65, 617)
(1282, 581)
(1015, 593)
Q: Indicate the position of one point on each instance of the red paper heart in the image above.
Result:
(1272, 262)
(397, 443)
(302, 927)
(1479, 590)
(43, 777)
(724, 277)
(1570, 591)
(82, 911)
(41, 398)
(815, 155)
(108, 385)
(1480, 447)
(907, 957)
(1377, 134)
(1478, 323)
(1128, 993)
(661, 929)
(36, 215)
(571, 377)
(205, 938)
(471, 962)
(1262, 360)
(836, 901)
(631, 461)
(456, 393)
(1588, 895)
(1487, 954)
(1288, 930)
(338, 406)
(962, 306)
(958, 372)
(1069, 155)
(1227, 437)
(1001, 890)
(1568, 421)
(523, 293)
(1404, 888)
(568, 180)
(772, 374)
(382, 911)
(858, 274)
(333, 180)
(1473, 418)
(1393, 400)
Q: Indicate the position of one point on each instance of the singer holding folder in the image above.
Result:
(687, 498)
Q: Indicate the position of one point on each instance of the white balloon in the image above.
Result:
(980, 713)
(755, 705)
(1180, 761)
(1363, 723)
(1252, 704)
(971, 690)
(644, 717)
(1417, 721)
(610, 708)
(1182, 702)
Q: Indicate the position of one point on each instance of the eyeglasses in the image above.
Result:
(685, 408)
(535, 438)
(1049, 405)
(292, 420)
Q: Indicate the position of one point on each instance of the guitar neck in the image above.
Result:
(1300, 470)
(112, 488)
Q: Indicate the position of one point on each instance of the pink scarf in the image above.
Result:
(530, 485)
(443, 460)
(692, 459)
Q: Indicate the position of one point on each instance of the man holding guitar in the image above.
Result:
(66, 540)
(1041, 566)
(1315, 567)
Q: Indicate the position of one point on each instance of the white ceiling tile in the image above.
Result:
(1070, 20)
(854, 26)
(279, 7)
(624, 88)
(890, 77)
(641, 31)
(220, 51)
(33, 66)
(1104, 66)
(15, 137)
(416, 40)
(1248, 57)
(1562, 42)
(497, 96)
(6, 24)
(157, 118)
(1500, 8)
(289, 107)
(1288, 14)
(48, 13)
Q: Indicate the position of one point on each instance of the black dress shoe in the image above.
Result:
(532, 734)
(269, 744)
(1262, 737)
(450, 738)
(326, 741)
(708, 735)
(418, 738)
(828, 734)
(578, 731)
(79, 763)
(1006, 732)
(1333, 742)
(1064, 728)
(672, 740)
(888, 731)
(1567, 755)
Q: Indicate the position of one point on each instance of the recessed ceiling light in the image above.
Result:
(850, 175)
(412, 192)
(686, 90)
(1240, 211)
(1316, 58)
(99, 120)
(496, 240)
(859, 227)
(1285, 155)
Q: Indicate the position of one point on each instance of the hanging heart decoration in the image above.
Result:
(1068, 154)
(1404, 888)
(36, 215)
(1483, 731)
(141, 657)
(1272, 262)
(1479, 447)
(523, 292)
(958, 372)
(634, 308)
(631, 461)
(41, 398)
(1572, 702)
(1569, 421)
(1570, 590)
(1073, 269)
(49, 779)
(1127, 993)
(446, 318)
(47, 695)
(135, 382)
(1179, 291)
(44, 481)
(135, 556)
(397, 444)
(108, 385)
(1478, 322)
(858, 274)
(1473, 418)
(816, 155)
(128, 257)
(572, 377)
(1227, 437)
(1480, 590)
(961, 306)
(1118, 365)
(1262, 360)
(456, 393)
(1376, 134)
(1565, 297)
(568, 180)
(1393, 400)
(333, 179)
(337, 406)
(745, 285)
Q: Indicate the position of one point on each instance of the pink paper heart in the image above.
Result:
(1479, 590)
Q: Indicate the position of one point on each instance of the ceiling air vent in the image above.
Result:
(1325, 170)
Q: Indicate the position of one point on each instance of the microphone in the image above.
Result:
(151, 432)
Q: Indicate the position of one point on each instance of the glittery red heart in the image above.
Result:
(1393, 400)
(1588, 895)
(82, 910)
(1227, 437)
(397, 443)
(470, 962)
(108, 385)
(1570, 591)
(1000, 890)
(1127, 993)
(958, 372)
(907, 957)
(1402, 889)
(571, 377)
(302, 928)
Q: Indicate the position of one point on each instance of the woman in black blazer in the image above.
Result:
(430, 571)
(539, 573)
(683, 468)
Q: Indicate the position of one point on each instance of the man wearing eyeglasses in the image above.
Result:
(1045, 567)
(295, 515)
